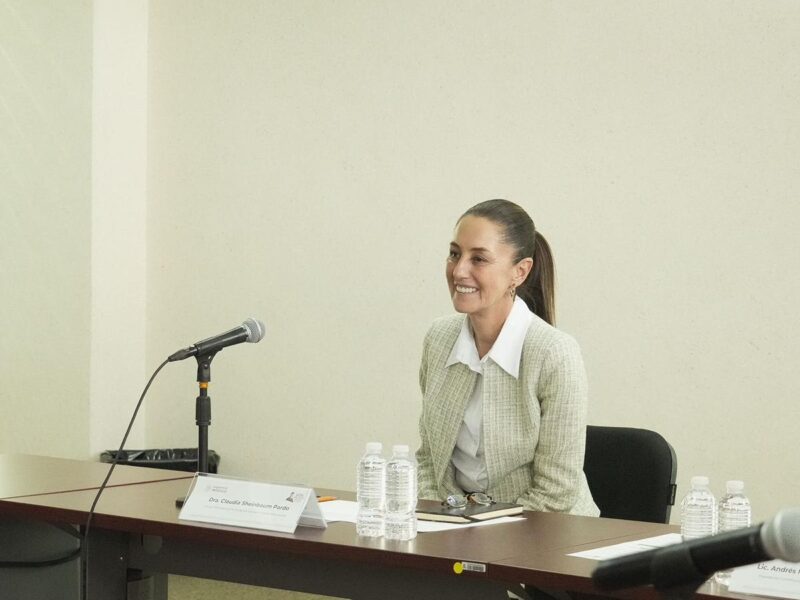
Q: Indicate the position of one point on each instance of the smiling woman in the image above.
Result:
(504, 392)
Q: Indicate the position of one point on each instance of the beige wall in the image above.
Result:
(119, 182)
(73, 82)
(45, 226)
(307, 161)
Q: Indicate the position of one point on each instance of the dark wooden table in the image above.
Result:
(136, 531)
(29, 475)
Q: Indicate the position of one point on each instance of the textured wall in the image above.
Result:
(308, 161)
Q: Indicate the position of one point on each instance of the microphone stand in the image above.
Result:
(202, 412)
(203, 409)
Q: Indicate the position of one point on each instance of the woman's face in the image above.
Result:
(481, 269)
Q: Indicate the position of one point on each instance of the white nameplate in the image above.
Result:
(242, 503)
(774, 578)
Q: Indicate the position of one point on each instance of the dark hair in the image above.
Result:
(538, 289)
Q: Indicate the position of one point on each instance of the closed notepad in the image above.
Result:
(468, 514)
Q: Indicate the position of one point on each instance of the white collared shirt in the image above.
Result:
(468, 457)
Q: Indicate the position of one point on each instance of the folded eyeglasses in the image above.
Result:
(461, 500)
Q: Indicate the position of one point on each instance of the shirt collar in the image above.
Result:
(507, 349)
(464, 350)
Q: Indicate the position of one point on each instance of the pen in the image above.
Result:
(325, 498)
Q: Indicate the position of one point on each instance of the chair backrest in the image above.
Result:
(631, 473)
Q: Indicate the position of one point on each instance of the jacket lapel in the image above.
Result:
(447, 413)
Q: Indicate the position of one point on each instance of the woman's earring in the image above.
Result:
(513, 291)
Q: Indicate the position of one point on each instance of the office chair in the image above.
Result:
(631, 473)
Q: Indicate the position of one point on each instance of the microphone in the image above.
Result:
(252, 330)
(693, 561)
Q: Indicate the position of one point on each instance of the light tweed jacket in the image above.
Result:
(534, 427)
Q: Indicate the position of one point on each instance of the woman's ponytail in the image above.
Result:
(538, 289)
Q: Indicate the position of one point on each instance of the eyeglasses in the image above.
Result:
(461, 500)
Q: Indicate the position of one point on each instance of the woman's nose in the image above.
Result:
(461, 269)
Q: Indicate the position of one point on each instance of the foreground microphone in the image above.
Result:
(252, 330)
(692, 562)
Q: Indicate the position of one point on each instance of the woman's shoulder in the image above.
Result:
(550, 355)
(444, 329)
(543, 338)
(441, 337)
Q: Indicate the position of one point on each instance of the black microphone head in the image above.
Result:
(781, 535)
(255, 329)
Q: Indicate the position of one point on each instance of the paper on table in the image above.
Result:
(346, 510)
(339, 510)
(629, 547)
(775, 578)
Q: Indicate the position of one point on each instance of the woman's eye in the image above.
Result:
(478, 259)
(453, 255)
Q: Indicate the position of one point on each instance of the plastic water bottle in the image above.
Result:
(698, 510)
(401, 495)
(734, 512)
(371, 479)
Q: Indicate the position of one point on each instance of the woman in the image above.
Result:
(504, 392)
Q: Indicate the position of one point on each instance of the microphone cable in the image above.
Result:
(84, 549)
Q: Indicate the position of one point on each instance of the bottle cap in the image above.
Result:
(734, 486)
(374, 448)
(699, 481)
(401, 449)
